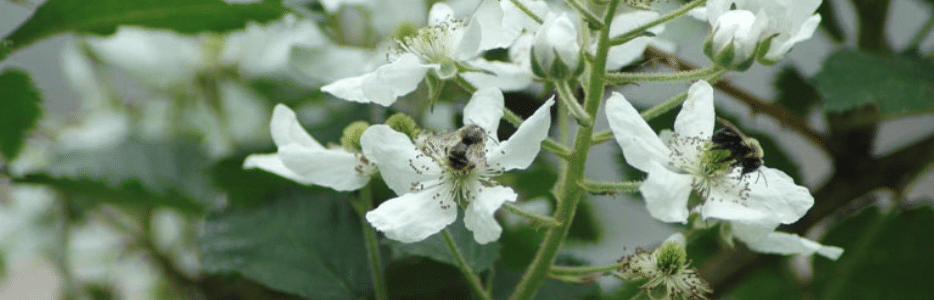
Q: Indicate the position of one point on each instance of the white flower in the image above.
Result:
(430, 190)
(439, 47)
(302, 159)
(682, 161)
(555, 50)
(665, 272)
(784, 22)
(629, 52)
(736, 36)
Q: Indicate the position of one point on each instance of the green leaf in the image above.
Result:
(247, 187)
(504, 282)
(307, 244)
(480, 257)
(772, 281)
(794, 91)
(103, 17)
(897, 85)
(21, 110)
(887, 256)
(133, 173)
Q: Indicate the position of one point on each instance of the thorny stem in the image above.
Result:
(566, 96)
(365, 200)
(589, 16)
(568, 193)
(625, 37)
(777, 111)
(465, 268)
(527, 11)
(605, 187)
(535, 218)
(619, 78)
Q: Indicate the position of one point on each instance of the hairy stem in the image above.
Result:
(535, 218)
(619, 78)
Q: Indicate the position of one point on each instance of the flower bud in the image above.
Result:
(734, 39)
(556, 54)
(404, 124)
(350, 140)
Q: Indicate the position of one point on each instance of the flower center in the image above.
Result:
(710, 169)
(434, 44)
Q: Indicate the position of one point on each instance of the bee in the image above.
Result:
(744, 151)
(469, 140)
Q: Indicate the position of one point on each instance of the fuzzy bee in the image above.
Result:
(744, 151)
(469, 144)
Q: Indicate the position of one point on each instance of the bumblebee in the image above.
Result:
(744, 151)
(469, 137)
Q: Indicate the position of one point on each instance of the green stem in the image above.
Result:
(465, 268)
(566, 96)
(512, 117)
(601, 137)
(922, 33)
(556, 148)
(466, 85)
(619, 78)
(670, 104)
(589, 16)
(605, 187)
(372, 244)
(558, 270)
(536, 219)
(527, 11)
(625, 37)
(568, 193)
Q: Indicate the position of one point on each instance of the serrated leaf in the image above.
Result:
(887, 256)
(20, 101)
(134, 173)
(480, 257)
(794, 91)
(103, 17)
(897, 85)
(307, 244)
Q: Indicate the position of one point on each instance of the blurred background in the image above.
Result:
(124, 94)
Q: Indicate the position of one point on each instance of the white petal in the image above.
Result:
(520, 149)
(478, 217)
(489, 16)
(271, 163)
(286, 130)
(666, 193)
(782, 44)
(383, 85)
(766, 240)
(396, 157)
(639, 143)
(505, 76)
(777, 193)
(632, 50)
(413, 217)
(697, 118)
(336, 169)
(485, 109)
(319, 65)
(439, 13)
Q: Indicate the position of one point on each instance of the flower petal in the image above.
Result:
(632, 50)
(396, 157)
(778, 193)
(697, 118)
(271, 163)
(478, 217)
(520, 149)
(413, 217)
(485, 109)
(333, 168)
(383, 85)
(489, 16)
(766, 240)
(286, 130)
(638, 140)
(666, 193)
(505, 76)
(782, 44)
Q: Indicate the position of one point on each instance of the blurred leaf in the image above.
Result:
(505, 282)
(531, 183)
(302, 243)
(794, 91)
(21, 110)
(480, 257)
(897, 85)
(887, 256)
(519, 246)
(247, 187)
(420, 278)
(132, 173)
(829, 21)
(772, 281)
(103, 17)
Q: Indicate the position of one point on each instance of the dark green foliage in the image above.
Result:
(307, 244)
(480, 257)
(104, 16)
(20, 101)
(795, 92)
(897, 85)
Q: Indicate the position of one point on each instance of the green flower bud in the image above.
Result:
(350, 140)
(404, 124)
